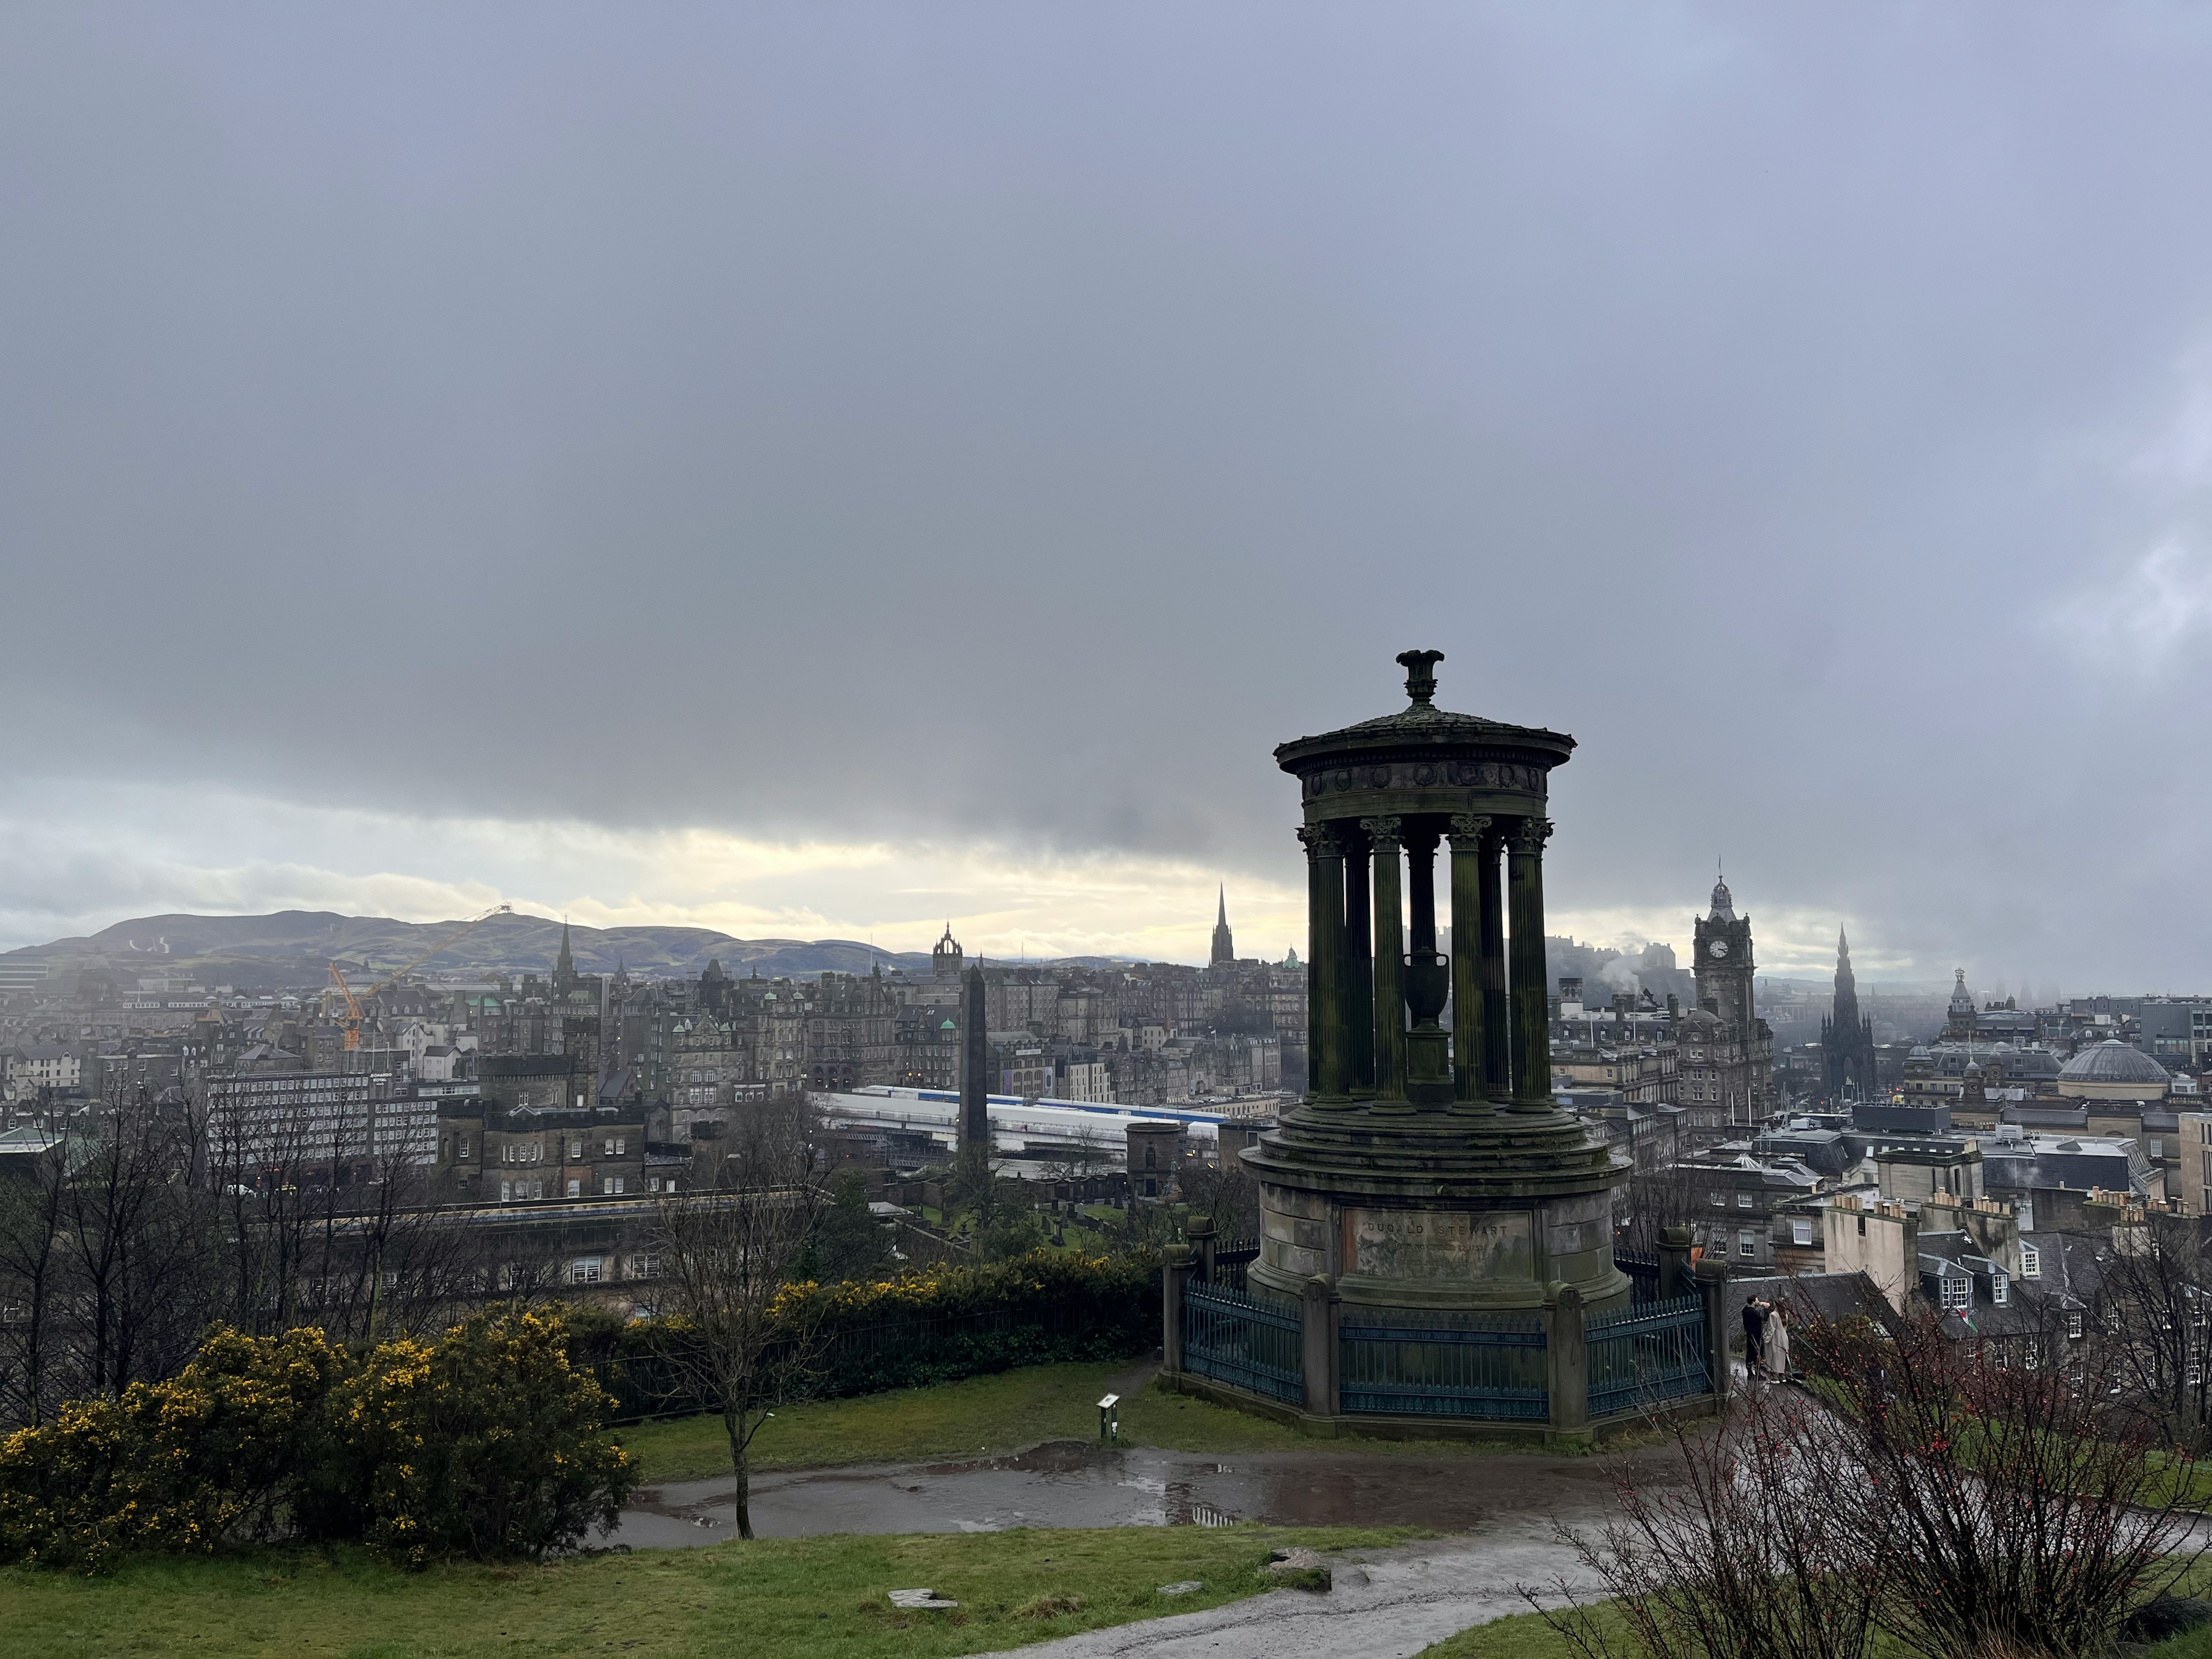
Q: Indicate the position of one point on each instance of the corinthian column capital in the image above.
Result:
(1469, 830)
(1322, 840)
(1383, 832)
(1529, 836)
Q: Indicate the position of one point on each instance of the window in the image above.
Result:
(1720, 1201)
(575, 1148)
(1800, 1232)
(462, 1149)
(1958, 1292)
(2031, 1262)
(2074, 1323)
(2000, 1289)
(576, 1188)
(643, 1266)
(507, 1192)
(537, 1189)
(586, 1270)
(1743, 1200)
(1862, 1226)
(1746, 1242)
(619, 1180)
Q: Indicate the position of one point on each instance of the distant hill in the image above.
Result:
(295, 947)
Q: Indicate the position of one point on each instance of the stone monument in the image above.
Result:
(1430, 1168)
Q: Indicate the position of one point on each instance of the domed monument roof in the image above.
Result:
(1424, 758)
(2113, 1062)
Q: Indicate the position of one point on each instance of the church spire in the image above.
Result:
(564, 965)
(1225, 946)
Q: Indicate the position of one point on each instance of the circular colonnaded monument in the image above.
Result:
(1428, 1167)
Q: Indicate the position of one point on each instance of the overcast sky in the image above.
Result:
(822, 469)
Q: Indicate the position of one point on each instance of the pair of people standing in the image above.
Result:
(1766, 1338)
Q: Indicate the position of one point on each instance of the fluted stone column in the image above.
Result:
(1390, 1004)
(1359, 989)
(1325, 961)
(1469, 830)
(1497, 1010)
(1532, 1018)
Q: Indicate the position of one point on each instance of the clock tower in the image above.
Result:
(1724, 961)
(1729, 1060)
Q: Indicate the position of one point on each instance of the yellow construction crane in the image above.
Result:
(351, 1021)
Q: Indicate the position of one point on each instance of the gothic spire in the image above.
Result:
(564, 965)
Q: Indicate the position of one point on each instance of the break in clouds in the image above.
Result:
(534, 452)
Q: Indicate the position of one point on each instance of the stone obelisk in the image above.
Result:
(974, 1072)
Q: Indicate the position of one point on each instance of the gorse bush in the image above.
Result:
(481, 1444)
(482, 1441)
(212, 1454)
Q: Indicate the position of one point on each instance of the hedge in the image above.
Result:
(926, 1325)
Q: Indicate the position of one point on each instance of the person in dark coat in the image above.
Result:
(1755, 1335)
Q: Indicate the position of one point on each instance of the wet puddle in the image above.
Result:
(1070, 1483)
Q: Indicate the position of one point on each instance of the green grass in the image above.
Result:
(815, 1596)
(1525, 1636)
(991, 1416)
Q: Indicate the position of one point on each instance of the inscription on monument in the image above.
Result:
(1438, 1244)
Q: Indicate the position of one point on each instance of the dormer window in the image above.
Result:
(2031, 1261)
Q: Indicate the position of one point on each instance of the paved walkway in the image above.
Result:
(1393, 1606)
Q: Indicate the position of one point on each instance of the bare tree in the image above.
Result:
(725, 1251)
(1660, 1197)
(134, 1246)
(2154, 1302)
(1740, 1556)
(1961, 1497)
(1226, 1193)
(32, 1284)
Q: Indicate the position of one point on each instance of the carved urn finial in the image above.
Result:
(1420, 668)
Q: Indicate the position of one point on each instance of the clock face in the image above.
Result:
(1718, 947)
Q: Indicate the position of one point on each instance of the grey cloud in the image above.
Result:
(987, 422)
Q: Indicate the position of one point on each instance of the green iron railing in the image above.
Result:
(1246, 1341)
(1478, 1365)
(1647, 1354)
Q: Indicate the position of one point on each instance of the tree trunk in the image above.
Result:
(733, 1421)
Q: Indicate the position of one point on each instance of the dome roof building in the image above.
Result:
(2112, 1070)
